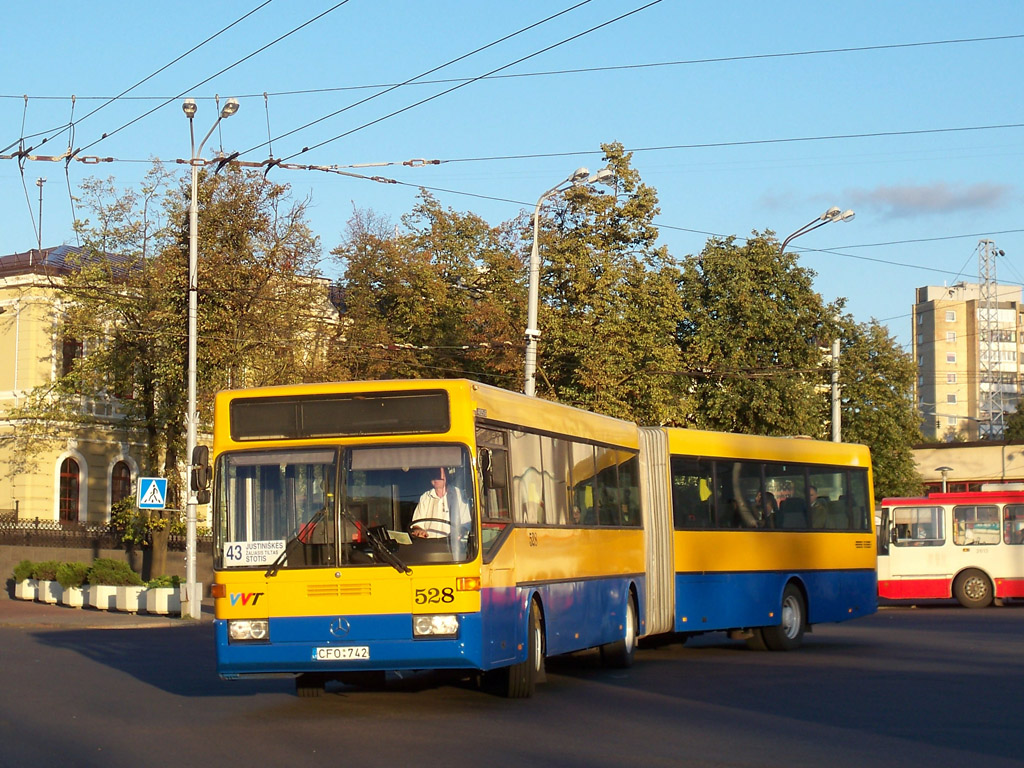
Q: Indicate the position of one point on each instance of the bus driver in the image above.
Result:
(438, 509)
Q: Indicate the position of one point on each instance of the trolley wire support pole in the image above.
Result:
(192, 417)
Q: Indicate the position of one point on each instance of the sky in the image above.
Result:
(742, 115)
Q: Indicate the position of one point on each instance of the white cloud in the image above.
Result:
(906, 201)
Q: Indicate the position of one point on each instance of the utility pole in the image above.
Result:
(39, 232)
(990, 385)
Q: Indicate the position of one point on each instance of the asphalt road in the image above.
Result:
(936, 686)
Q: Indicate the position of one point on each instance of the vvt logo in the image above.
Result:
(245, 598)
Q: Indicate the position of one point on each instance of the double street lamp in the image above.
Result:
(832, 214)
(578, 177)
(192, 416)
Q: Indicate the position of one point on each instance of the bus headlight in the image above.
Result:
(249, 630)
(441, 625)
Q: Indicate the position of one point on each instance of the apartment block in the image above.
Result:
(962, 368)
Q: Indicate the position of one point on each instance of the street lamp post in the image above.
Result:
(192, 417)
(832, 214)
(944, 471)
(578, 177)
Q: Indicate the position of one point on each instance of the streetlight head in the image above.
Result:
(580, 174)
(230, 107)
(847, 215)
(188, 106)
(831, 214)
(604, 176)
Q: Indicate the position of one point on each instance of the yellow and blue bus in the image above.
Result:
(759, 536)
(369, 527)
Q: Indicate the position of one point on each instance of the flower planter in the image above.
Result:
(103, 597)
(73, 597)
(131, 599)
(27, 589)
(49, 591)
(163, 600)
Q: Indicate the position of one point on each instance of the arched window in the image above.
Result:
(120, 482)
(69, 484)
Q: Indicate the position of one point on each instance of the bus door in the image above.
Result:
(917, 563)
(499, 605)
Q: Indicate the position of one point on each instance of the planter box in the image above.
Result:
(26, 589)
(103, 597)
(49, 592)
(163, 600)
(73, 597)
(131, 599)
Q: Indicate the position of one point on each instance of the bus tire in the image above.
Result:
(973, 589)
(619, 654)
(789, 632)
(756, 640)
(522, 677)
(309, 685)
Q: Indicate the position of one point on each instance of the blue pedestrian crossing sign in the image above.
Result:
(152, 492)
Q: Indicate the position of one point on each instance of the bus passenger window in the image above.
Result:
(1013, 524)
(691, 493)
(918, 527)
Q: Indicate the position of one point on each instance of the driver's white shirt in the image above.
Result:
(436, 508)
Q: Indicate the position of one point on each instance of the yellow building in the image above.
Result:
(71, 473)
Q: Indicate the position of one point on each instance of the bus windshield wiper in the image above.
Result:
(303, 528)
(377, 537)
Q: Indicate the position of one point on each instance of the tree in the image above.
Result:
(877, 379)
(261, 307)
(1013, 431)
(441, 300)
(750, 335)
(609, 301)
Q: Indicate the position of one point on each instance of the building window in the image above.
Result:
(951, 357)
(69, 485)
(951, 421)
(920, 339)
(951, 399)
(950, 316)
(951, 378)
(920, 319)
(120, 482)
(951, 336)
(71, 350)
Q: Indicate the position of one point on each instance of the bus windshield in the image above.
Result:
(304, 508)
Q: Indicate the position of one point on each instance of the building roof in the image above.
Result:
(48, 260)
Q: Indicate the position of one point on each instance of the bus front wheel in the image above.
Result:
(789, 633)
(973, 589)
(523, 677)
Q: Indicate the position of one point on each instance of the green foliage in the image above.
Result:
(72, 574)
(46, 570)
(115, 573)
(751, 335)
(877, 378)
(609, 300)
(128, 521)
(1013, 430)
(24, 570)
(163, 581)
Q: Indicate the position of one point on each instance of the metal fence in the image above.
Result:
(53, 533)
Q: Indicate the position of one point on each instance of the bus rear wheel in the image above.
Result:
(789, 633)
(973, 589)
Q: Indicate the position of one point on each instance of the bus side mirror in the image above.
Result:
(492, 479)
(200, 476)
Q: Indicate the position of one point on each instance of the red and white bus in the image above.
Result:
(964, 545)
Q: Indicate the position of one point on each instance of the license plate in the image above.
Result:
(341, 653)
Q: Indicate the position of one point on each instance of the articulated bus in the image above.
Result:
(371, 527)
(964, 545)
